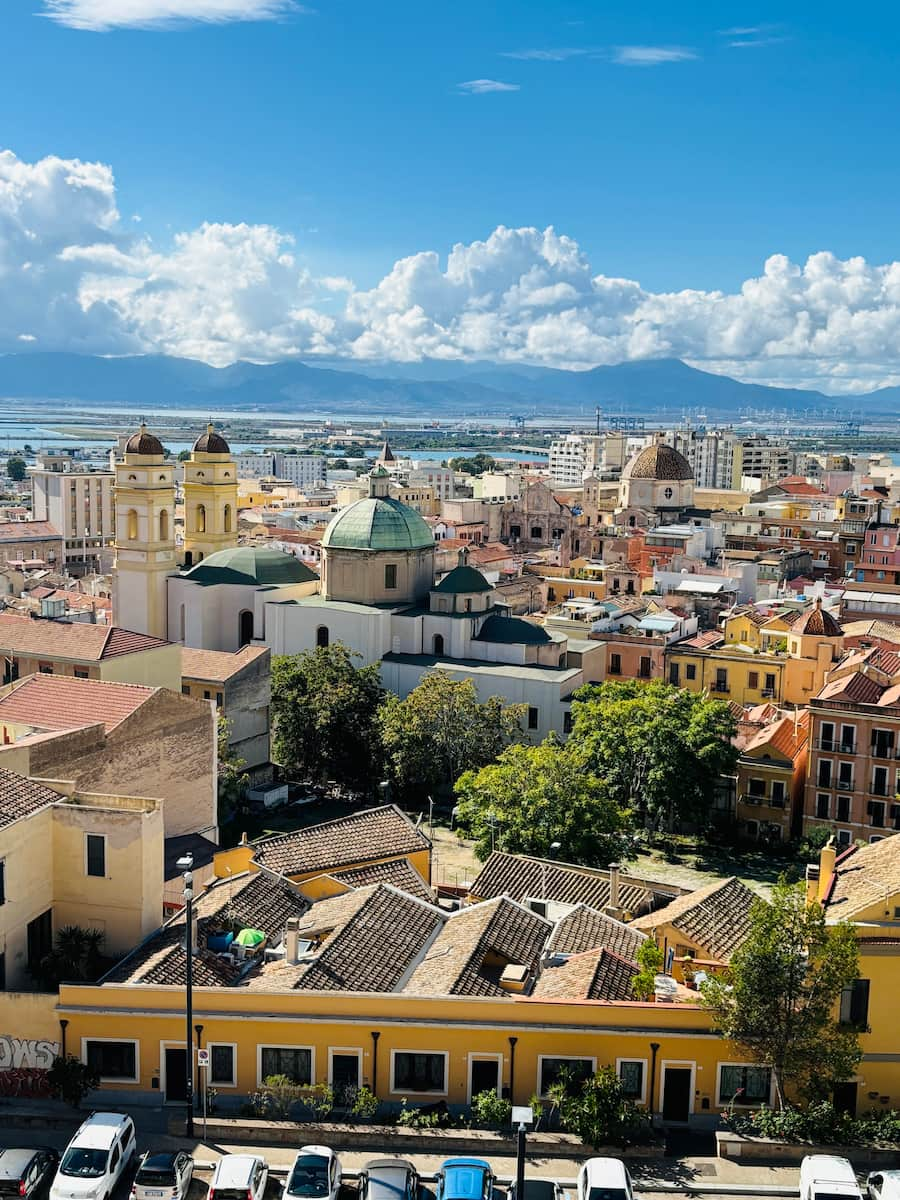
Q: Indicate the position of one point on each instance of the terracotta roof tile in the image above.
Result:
(50, 702)
(27, 531)
(518, 876)
(716, 917)
(785, 737)
(376, 833)
(594, 975)
(865, 875)
(75, 641)
(585, 928)
(702, 641)
(21, 797)
(217, 666)
(398, 872)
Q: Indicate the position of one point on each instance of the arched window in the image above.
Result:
(132, 525)
(322, 635)
(201, 518)
(226, 518)
(437, 645)
(164, 525)
(245, 631)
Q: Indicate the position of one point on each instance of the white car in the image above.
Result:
(239, 1177)
(315, 1175)
(828, 1177)
(165, 1175)
(604, 1179)
(883, 1185)
(95, 1159)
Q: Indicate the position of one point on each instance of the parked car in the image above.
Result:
(315, 1175)
(883, 1185)
(465, 1179)
(388, 1179)
(537, 1189)
(27, 1172)
(165, 1175)
(604, 1179)
(827, 1177)
(239, 1177)
(95, 1159)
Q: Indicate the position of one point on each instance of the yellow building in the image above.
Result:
(210, 498)
(771, 776)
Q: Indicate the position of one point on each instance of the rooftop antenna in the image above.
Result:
(598, 420)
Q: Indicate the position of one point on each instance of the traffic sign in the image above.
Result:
(202, 1057)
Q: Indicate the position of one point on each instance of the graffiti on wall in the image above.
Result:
(24, 1063)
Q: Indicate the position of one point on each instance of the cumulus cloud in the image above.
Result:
(74, 275)
(651, 56)
(478, 87)
(100, 16)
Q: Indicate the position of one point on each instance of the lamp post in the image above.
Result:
(185, 865)
(522, 1116)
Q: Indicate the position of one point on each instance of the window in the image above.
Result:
(756, 788)
(880, 781)
(770, 682)
(322, 636)
(221, 1065)
(207, 694)
(293, 1061)
(721, 684)
(533, 715)
(753, 680)
(843, 837)
(95, 855)
(40, 938)
(185, 689)
(631, 1072)
(845, 776)
(200, 519)
(131, 525)
(537, 532)
(855, 1003)
(753, 1083)
(2, 881)
(115, 1061)
(220, 699)
(390, 575)
(164, 525)
(778, 793)
(515, 532)
(876, 813)
(822, 807)
(882, 743)
(226, 518)
(674, 674)
(245, 627)
(690, 671)
(843, 808)
(644, 669)
(615, 664)
(45, 668)
(824, 776)
(416, 1072)
(79, 673)
(437, 644)
(848, 738)
(549, 1070)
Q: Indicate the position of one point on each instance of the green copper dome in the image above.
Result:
(378, 523)
(257, 566)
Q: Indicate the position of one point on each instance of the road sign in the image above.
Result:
(522, 1115)
(202, 1057)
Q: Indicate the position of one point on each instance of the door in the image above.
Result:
(176, 1075)
(40, 938)
(484, 1076)
(844, 1097)
(344, 1072)
(676, 1093)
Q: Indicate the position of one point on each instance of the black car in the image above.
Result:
(537, 1189)
(27, 1172)
(388, 1179)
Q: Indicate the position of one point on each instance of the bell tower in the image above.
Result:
(210, 498)
(144, 503)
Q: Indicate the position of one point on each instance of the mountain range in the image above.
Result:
(426, 389)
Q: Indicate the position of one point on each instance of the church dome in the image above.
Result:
(211, 443)
(143, 442)
(378, 523)
(660, 462)
(256, 566)
(817, 622)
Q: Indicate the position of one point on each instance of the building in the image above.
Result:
(539, 519)
(240, 685)
(764, 459)
(70, 857)
(657, 487)
(714, 455)
(78, 503)
(30, 544)
(572, 457)
(879, 560)
(304, 471)
(771, 780)
(210, 498)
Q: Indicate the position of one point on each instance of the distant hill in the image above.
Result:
(419, 389)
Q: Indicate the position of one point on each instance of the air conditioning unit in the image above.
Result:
(845, 785)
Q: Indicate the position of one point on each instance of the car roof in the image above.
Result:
(467, 1176)
(465, 1162)
(100, 1130)
(12, 1161)
(831, 1168)
(158, 1159)
(235, 1166)
(389, 1164)
(606, 1169)
(321, 1151)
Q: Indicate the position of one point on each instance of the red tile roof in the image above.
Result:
(76, 641)
(26, 531)
(785, 737)
(217, 666)
(50, 702)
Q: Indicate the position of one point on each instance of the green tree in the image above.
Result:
(71, 1080)
(77, 957)
(438, 730)
(600, 1113)
(650, 960)
(474, 465)
(533, 796)
(659, 749)
(778, 1000)
(15, 468)
(324, 714)
(184, 455)
(232, 780)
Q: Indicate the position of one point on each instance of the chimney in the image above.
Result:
(812, 883)
(292, 940)
(827, 855)
(614, 869)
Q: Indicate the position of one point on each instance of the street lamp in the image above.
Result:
(185, 865)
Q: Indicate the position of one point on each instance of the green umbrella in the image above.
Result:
(250, 937)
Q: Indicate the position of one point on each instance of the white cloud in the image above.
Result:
(559, 55)
(479, 87)
(104, 15)
(75, 276)
(651, 56)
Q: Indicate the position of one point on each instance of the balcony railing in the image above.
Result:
(721, 688)
(883, 750)
(879, 789)
(845, 785)
(835, 747)
(757, 801)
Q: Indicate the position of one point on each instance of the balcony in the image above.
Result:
(835, 747)
(883, 750)
(845, 785)
(721, 688)
(879, 788)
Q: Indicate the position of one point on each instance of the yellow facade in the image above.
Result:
(729, 674)
(741, 629)
(144, 500)
(210, 500)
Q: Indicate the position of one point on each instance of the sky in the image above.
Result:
(565, 182)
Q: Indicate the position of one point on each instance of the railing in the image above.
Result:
(721, 688)
(835, 747)
(883, 750)
(845, 785)
(767, 801)
(879, 789)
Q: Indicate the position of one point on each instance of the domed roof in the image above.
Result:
(817, 622)
(211, 442)
(143, 442)
(463, 579)
(512, 631)
(256, 566)
(378, 523)
(660, 462)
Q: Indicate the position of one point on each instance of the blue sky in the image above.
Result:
(346, 127)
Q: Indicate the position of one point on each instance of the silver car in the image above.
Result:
(165, 1175)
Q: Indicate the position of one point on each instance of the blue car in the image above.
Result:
(465, 1179)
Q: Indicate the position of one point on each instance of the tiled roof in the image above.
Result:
(359, 838)
(76, 641)
(398, 872)
(217, 666)
(816, 622)
(864, 875)
(63, 702)
(476, 943)
(26, 531)
(21, 797)
(716, 917)
(594, 975)
(518, 876)
(785, 737)
(856, 688)
(702, 641)
(586, 929)
(871, 629)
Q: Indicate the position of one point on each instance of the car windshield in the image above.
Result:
(607, 1193)
(309, 1177)
(539, 1189)
(387, 1185)
(154, 1177)
(83, 1162)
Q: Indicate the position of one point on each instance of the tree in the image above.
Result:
(71, 1080)
(599, 1112)
(659, 749)
(475, 465)
(77, 956)
(438, 730)
(232, 780)
(324, 713)
(15, 468)
(184, 455)
(778, 999)
(650, 960)
(533, 796)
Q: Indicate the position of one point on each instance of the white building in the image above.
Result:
(78, 502)
(305, 471)
(255, 466)
(574, 456)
